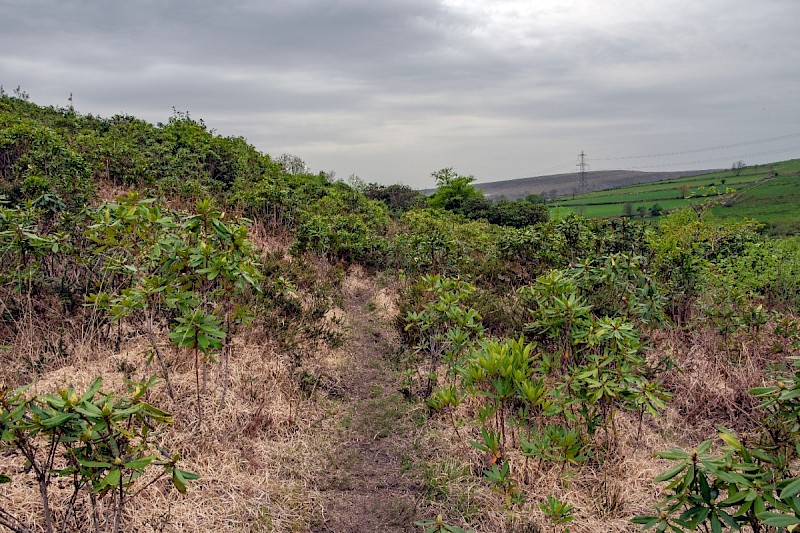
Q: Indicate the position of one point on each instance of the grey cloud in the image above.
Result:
(392, 90)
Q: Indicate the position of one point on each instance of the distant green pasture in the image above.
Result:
(768, 193)
(775, 203)
(667, 188)
(617, 210)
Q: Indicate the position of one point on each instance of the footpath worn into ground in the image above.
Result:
(368, 485)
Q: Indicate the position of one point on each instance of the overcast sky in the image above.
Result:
(391, 90)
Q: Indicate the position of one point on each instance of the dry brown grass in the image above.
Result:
(42, 341)
(271, 238)
(257, 453)
(108, 191)
(266, 453)
(711, 378)
(709, 386)
(260, 454)
(385, 302)
(606, 494)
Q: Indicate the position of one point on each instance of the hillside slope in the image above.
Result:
(767, 193)
(774, 200)
(562, 184)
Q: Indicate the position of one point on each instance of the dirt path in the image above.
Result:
(368, 485)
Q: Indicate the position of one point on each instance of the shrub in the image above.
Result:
(104, 444)
(343, 225)
(398, 198)
(445, 327)
(768, 269)
(434, 241)
(191, 270)
(517, 214)
(28, 150)
(751, 483)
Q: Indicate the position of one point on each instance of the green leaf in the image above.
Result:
(790, 490)
(696, 515)
(92, 390)
(139, 464)
(733, 498)
(773, 519)
(758, 505)
(731, 440)
(673, 454)
(705, 490)
(125, 413)
(789, 395)
(57, 420)
(55, 402)
(672, 472)
(704, 447)
(454, 529)
(646, 521)
(191, 476)
(93, 464)
(89, 410)
(728, 519)
(155, 412)
(112, 478)
(180, 479)
(733, 477)
(762, 391)
(4, 479)
(745, 507)
(716, 525)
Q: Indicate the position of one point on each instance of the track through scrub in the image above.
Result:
(366, 486)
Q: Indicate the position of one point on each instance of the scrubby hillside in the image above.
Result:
(280, 352)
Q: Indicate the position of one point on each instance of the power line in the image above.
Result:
(727, 158)
(555, 167)
(564, 165)
(696, 150)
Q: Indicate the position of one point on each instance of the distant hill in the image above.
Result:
(564, 184)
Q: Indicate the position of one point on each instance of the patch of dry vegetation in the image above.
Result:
(257, 453)
(708, 378)
(265, 455)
